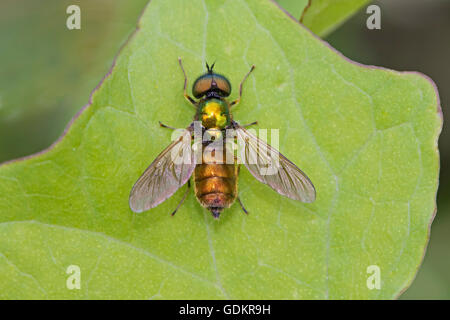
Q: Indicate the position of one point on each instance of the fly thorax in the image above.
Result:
(214, 114)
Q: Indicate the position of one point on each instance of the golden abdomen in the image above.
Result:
(215, 185)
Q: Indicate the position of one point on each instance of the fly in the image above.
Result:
(216, 179)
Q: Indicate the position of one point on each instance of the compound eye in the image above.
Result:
(211, 82)
(223, 85)
(201, 86)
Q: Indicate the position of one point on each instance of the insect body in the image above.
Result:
(215, 181)
(215, 176)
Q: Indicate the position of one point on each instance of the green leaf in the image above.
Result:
(324, 16)
(294, 7)
(48, 71)
(367, 137)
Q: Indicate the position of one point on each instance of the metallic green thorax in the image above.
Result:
(214, 113)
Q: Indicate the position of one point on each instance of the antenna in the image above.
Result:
(210, 68)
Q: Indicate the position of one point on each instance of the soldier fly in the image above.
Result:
(216, 182)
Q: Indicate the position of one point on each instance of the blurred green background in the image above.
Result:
(47, 73)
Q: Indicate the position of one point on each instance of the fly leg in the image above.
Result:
(188, 98)
(190, 128)
(166, 126)
(242, 206)
(249, 124)
(184, 197)
(239, 199)
(235, 102)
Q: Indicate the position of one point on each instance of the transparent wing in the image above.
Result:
(270, 167)
(167, 173)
